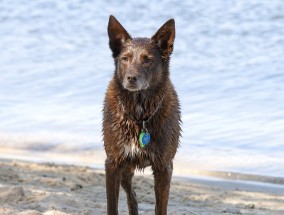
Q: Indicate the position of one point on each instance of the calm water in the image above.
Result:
(227, 66)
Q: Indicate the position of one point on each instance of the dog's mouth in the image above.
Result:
(131, 84)
(135, 86)
(131, 87)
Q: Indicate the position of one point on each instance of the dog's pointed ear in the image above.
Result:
(117, 35)
(165, 37)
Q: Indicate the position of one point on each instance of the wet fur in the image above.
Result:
(127, 104)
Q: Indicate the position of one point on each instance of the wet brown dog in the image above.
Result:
(141, 115)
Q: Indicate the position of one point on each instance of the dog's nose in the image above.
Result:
(131, 78)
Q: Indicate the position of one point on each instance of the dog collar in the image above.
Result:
(144, 136)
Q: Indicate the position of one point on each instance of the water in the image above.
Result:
(227, 67)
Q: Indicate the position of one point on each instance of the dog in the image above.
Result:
(141, 115)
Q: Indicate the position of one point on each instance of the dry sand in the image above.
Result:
(32, 189)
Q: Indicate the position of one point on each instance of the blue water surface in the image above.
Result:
(227, 66)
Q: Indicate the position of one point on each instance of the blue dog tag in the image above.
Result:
(144, 138)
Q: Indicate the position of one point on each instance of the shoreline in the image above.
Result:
(95, 159)
(28, 188)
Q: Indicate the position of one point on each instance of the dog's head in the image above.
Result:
(141, 62)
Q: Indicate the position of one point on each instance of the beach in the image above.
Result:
(227, 68)
(30, 188)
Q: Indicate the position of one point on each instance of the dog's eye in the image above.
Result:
(125, 59)
(147, 60)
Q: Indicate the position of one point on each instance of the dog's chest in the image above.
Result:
(132, 152)
(128, 138)
(131, 149)
(128, 131)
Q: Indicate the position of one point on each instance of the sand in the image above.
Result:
(29, 188)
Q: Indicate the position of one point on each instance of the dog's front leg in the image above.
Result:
(162, 177)
(126, 183)
(113, 178)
